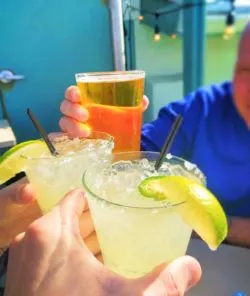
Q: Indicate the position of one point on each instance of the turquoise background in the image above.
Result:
(48, 42)
(163, 63)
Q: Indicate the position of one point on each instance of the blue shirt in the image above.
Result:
(214, 137)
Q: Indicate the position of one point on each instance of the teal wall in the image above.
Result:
(163, 64)
(220, 58)
(49, 41)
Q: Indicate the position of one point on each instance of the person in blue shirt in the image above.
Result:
(215, 135)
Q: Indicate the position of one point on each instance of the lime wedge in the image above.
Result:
(11, 161)
(199, 209)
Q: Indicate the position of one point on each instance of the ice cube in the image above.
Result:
(123, 166)
(169, 156)
(189, 166)
(144, 163)
(166, 169)
(178, 170)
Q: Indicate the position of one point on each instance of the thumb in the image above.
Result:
(72, 206)
(19, 192)
(173, 280)
(145, 103)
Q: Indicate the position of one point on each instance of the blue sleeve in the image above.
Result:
(154, 133)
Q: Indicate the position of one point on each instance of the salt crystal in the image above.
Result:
(189, 166)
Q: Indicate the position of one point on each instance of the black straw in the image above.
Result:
(12, 180)
(42, 132)
(169, 141)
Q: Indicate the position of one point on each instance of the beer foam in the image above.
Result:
(112, 77)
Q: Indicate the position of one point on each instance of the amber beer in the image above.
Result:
(114, 102)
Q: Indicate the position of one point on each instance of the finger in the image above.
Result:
(92, 244)
(71, 208)
(72, 205)
(74, 128)
(56, 135)
(17, 240)
(74, 111)
(86, 224)
(145, 103)
(19, 193)
(65, 218)
(73, 94)
(25, 194)
(15, 251)
(175, 279)
(184, 273)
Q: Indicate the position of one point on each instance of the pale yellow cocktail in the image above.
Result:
(136, 234)
(53, 176)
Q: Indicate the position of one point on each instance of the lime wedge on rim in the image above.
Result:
(200, 209)
(11, 161)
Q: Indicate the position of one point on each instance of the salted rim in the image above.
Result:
(107, 137)
(169, 205)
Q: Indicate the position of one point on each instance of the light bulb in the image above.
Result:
(228, 32)
(140, 18)
(157, 37)
(230, 28)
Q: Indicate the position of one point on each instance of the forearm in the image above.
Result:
(239, 232)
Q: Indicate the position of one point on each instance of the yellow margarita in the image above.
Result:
(137, 233)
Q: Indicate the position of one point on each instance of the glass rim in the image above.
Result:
(168, 156)
(110, 74)
(118, 205)
(103, 200)
(108, 137)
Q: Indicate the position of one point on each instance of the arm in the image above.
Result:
(239, 232)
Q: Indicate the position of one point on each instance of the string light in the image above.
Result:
(229, 26)
(230, 22)
(140, 17)
(157, 34)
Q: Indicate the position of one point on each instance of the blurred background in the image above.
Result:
(180, 44)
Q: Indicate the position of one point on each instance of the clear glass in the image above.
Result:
(114, 101)
(135, 233)
(52, 177)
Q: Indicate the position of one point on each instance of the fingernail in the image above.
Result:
(192, 275)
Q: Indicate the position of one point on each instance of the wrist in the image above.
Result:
(229, 227)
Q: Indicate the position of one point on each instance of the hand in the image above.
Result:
(51, 259)
(74, 114)
(18, 209)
